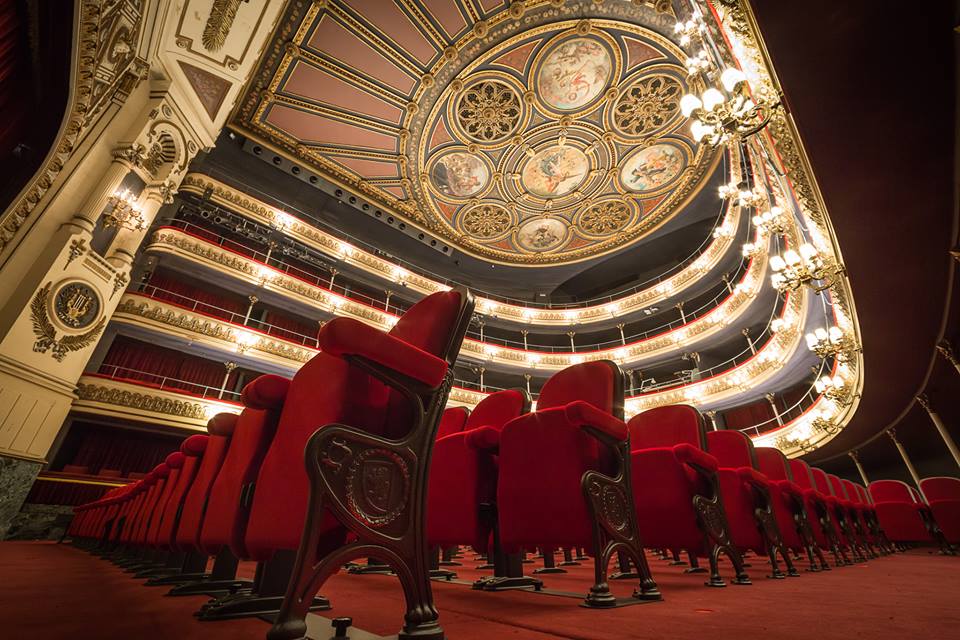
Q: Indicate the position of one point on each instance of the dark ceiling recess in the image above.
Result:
(35, 51)
(873, 94)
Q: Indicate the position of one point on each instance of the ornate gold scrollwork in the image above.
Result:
(75, 308)
(648, 105)
(486, 221)
(489, 111)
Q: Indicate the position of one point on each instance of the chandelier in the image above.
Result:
(832, 387)
(122, 212)
(792, 270)
(771, 221)
(831, 343)
(718, 117)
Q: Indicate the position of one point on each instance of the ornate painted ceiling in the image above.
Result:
(526, 133)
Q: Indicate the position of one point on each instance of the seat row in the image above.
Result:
(392, 477)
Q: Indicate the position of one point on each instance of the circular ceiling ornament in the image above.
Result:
(76, 305)
(574, 73)
(489, 111)
(459, 174)
(555, 171)
(652, 168)
(487, 221)
(605, 218)
(648, 105)
(542, 234)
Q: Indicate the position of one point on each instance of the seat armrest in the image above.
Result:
(754, 477)
(348, 337)
(585, 414)
(695, 458)
(790, 488)
(483, 439)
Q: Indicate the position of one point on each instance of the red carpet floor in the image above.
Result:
(59, 593)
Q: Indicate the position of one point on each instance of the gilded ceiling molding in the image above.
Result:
(105, 67)
(623, 142)
(261, 212)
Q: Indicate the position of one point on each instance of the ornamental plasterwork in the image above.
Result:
(723, 315)
(523, 117)
(261, 212)
(140, 401)
(104, 67)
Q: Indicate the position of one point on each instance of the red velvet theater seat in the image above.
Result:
(220, 430)
(900, 515)
(943, 496)
(676, 489)
(463, 472)
(851, 514)
(453, 421)
(192, 449)
(747, 499)
(819, 508)
(563, 465)
(860, 513)
(369, 405)
(796, 525)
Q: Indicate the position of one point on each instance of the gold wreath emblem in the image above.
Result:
(46, 333)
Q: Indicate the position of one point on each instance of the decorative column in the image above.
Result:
(945, 349)
(712, 416)
(386, 304)
(229, 366)
(481, 371)
(623, 339)
(573, 347)
(924, 402)
(746, 334)
(124, 158)
(903, 454)
(320, 324)
(525, 333)
(333, 275)
(480, 324)
(855, 456)
(772, 399)
(683, 318)
(253, 300)
(527, 377)
(270, 247)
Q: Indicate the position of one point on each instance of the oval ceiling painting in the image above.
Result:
(651, 168)
(555, 171)
(459, 174)
(574, 73)
(541, 234)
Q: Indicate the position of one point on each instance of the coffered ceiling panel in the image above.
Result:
(528, 133)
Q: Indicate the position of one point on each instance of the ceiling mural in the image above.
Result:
(528, 133)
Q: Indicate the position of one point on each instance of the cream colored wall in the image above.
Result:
(117, 114)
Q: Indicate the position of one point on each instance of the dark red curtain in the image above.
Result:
(176, 288)
(64, 493)
(132, 359)
(124, 451)
(290, 328)
(748, 415)
(15, 98)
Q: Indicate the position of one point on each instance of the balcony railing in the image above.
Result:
(165, 383)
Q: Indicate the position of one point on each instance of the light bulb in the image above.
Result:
(807, 250)
(711, 98)
(791, 257)
(688, 104)
(811, 341)
(731, 78)
(777, 263)
(700, 130)
(821, 333)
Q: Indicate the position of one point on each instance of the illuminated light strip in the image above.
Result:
(173, 240)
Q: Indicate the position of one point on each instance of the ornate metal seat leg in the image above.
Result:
(713, 522)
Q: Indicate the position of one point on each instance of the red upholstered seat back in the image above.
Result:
(174, 462)
(149, 484)
(667, 427)
(821, 481)
(152, 509)
(851, 490)
(864, 495)
(225, 520)
(327, 390)
(452, 421)
(192, 449)
(732, 449)
(591, 382)
(220, 429)
(890, 491)
(497, 409)
(940, 488)
(802, 474)
(836, 486)
(773, 464)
